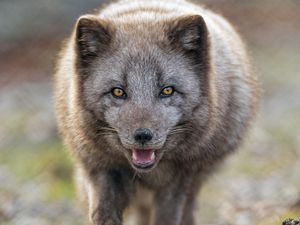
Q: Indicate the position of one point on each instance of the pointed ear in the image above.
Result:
(93, 36)
(189, 33)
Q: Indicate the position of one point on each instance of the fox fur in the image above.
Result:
(143, 46)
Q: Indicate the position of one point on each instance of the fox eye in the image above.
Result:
(118, 93)
(167, 91)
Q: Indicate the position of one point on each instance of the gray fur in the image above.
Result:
(143, 48)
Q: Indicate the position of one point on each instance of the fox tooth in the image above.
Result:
(152, 156)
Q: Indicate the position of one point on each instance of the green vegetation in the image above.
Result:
(48, 163)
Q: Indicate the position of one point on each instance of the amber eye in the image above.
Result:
(118, 93)
(167, 91)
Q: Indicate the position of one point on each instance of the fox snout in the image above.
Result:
(143, 157)
(142, 138)
(143, 135)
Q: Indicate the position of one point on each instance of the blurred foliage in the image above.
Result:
(49, 162)
(260, 185)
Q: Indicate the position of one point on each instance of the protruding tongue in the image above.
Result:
(143, 156)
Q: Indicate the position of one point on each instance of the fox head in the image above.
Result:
(142, 84)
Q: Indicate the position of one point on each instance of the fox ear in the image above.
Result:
(93, 36)
(189, 32)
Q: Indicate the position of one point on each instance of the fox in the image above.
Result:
(151, 97)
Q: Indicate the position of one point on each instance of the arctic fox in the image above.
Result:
(151, 96)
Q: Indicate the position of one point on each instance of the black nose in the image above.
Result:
(143, 135)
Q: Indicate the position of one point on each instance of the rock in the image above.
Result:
(291, 222)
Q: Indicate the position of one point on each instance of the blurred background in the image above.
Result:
(260, 185)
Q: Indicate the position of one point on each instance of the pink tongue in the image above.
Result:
(143, 156)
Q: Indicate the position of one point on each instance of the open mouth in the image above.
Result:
(143, 158)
